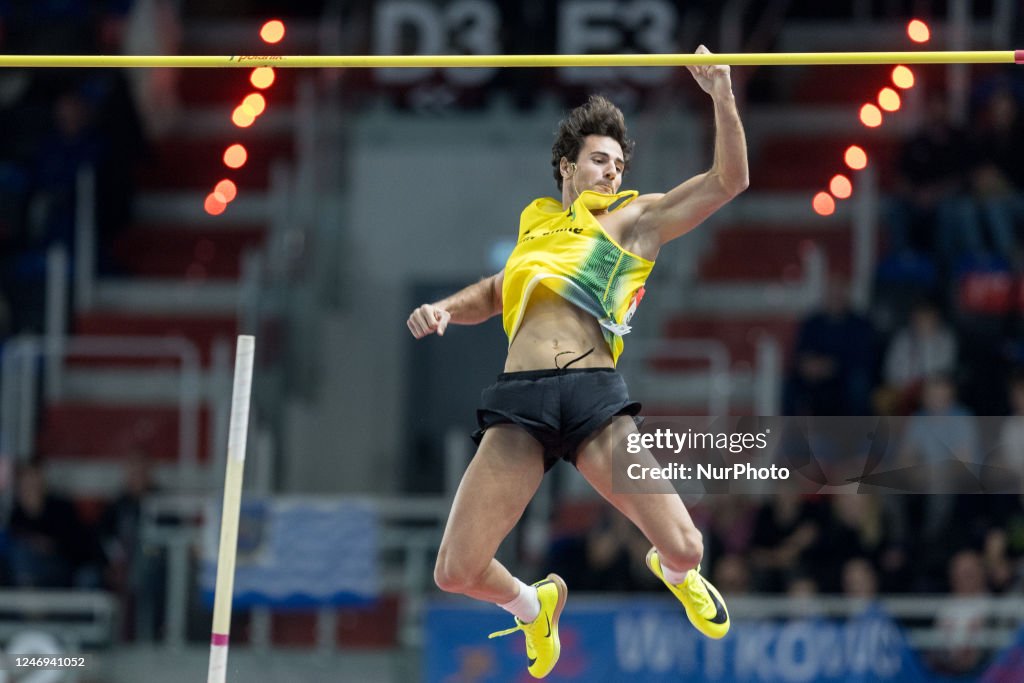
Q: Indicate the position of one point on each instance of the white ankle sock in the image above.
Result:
(525, 606)
(672, 576)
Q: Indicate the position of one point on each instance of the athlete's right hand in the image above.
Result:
(426, 319)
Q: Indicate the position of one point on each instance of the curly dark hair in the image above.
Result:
(597, 116)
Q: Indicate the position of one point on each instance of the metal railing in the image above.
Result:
(410, 533)
(865, 211)
(85, 239)
(1007, 613)
(77, 617)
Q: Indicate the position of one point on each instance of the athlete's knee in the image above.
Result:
(686, 551)
(453, 574)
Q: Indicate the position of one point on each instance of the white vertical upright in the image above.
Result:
(237, 434)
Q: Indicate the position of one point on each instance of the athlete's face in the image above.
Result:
(598, 167)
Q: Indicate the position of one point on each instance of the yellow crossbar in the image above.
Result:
(460, 61)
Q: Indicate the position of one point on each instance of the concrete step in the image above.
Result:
(686, 393)
(138, 385)
(227, 226)
(101, 479)
(196, 163)
(227, 87)
(665, 386)
(819, 120)
(212, 120)
(176, 251)
(751, 298)
(774, 253)
(739, 335)
(202, 330)
(168, 297)
(791, 162)
(73, 429)
(792, 208)
(250, 206)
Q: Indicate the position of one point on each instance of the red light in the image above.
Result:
(870, 116)
(840, 186)
(855, 157)
(903, 77)
(235, 156)
(243, 116)
(823, 204)
(272, 31)
(255, 102)
(214, 204)
(226, 189)
(888, 99)
(918, 31)
(262, 77)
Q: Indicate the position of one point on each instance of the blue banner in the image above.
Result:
(651, 641)
(1009, 665)
(297, 552)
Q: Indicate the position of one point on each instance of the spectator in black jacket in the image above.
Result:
(50, 547)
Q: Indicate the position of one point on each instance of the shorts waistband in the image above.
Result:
(549, 372)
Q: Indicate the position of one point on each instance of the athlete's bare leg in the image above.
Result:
(495, 490)
(661, 517)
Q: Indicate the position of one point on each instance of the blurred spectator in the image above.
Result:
(941, 448)
(962, 617)
(731, 574)
(931, 442)
(785, 528)
(49, 545)
(65, 142)
(802, 592)
(1004, 537)
(859, 579)
(859, 526)
(120, 129)
(154, 28)
(1004, 542)
(997, 172)
(5, 324)
(1011, 436)
(999, 567)
(72, 144)
(728, 525)
(136, 572)
(833, 359)
(801, 586)
(609, 556)
(926, 346)
(930, 197)
(113, 24)
(46, 27)
(13, 195)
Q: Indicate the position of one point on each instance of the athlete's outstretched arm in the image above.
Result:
(468, 306)
(683, 208)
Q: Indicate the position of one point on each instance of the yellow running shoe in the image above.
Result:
(542, 646)
(703, 603)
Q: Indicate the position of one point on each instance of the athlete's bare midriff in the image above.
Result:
(555, 332)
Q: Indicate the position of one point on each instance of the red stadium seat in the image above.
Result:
(986, 293)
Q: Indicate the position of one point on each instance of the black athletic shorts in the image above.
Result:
(559, 408)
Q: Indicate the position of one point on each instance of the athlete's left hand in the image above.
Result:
(714, 79)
